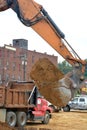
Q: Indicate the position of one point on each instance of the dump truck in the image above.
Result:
(21, 102)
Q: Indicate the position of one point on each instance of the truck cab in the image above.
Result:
(41, 111)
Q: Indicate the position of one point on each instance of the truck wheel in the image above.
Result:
(11, 119)
(46, 118)
(21, 118)
(66, 108)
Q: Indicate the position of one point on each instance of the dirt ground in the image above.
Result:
(74, 120)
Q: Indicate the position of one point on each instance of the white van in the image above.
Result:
(79, 102)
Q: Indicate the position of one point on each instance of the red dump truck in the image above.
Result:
(20, 102)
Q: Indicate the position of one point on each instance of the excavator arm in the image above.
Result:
(32, 14)
(35, 16)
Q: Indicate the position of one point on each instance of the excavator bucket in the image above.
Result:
(51, 82)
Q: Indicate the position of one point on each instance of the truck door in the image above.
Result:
(82, 103)
(39, 104)
(33, 96)
(74, 103)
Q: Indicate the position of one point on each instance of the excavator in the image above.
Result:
(61, 89)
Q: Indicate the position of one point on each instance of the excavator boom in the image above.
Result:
(35, 16)
(32, 14)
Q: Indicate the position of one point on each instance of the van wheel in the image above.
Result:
(11, 119)
(21, 118)
(66, 108)
(46, 118)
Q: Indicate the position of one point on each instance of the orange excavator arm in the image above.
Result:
(35, 16)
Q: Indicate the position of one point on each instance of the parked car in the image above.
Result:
(79, 103)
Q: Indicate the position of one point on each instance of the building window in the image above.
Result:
(19, 67)
(7, 65)
(13, 77)
(0, 53)
(8, 53)
(7, 77)
(0, 63)
(0, 77)
(14, 66)
(14, 54)
(19, 78)
(32, 59)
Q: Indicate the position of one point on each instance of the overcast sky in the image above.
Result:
(69, 15)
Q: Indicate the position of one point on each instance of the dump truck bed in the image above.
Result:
(15, 95)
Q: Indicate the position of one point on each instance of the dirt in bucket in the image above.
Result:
(46, 76)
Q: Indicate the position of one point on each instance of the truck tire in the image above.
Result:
(46, 118)
(11, 118)
(21, 118)
(66, 108)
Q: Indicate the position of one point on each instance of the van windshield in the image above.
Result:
(75, 100)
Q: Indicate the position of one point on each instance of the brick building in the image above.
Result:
(16, 61)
